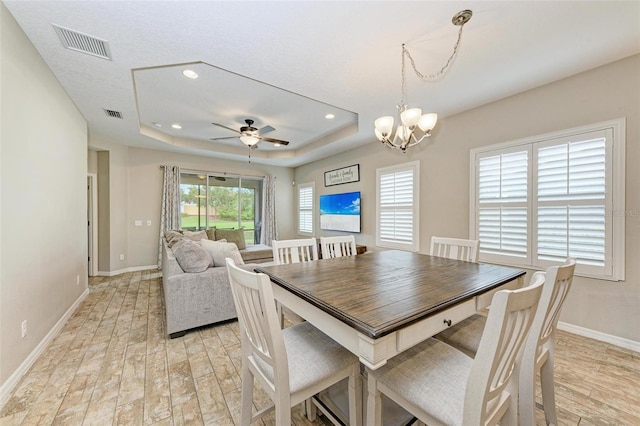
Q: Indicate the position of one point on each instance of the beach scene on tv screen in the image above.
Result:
(340, 212)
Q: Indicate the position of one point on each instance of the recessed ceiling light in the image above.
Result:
(176, 126)
(157, 124)
(277, 144)
(329, 116)
(190, 74)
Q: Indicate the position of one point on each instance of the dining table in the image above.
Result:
(382, 303)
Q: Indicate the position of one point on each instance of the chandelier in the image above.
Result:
(411, 119)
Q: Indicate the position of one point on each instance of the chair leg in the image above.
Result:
(548, 394)
(283, 410)
(247, 396)
(527, 391)
(310, 409)
(374, 402)
(355, 397)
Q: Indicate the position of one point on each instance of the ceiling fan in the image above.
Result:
(250, 135)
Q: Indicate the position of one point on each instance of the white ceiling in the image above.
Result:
(312, 58)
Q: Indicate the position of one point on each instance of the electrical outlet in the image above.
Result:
(122, 257)
(77, 279)
(148, 223)
(24, 328)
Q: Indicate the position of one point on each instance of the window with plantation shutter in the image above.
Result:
(538, 201)
(305, 208)
(397, 207)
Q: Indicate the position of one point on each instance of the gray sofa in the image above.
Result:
(196, 299)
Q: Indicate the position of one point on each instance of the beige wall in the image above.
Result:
(598, 95)
(43, 229)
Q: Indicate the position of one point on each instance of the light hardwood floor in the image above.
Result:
(113, 364)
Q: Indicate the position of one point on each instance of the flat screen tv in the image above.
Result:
(340, 212)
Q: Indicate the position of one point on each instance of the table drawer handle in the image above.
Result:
(448, 322)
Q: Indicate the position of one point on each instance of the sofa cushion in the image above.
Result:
(191, 256)
(257, 253)
(233, 236)
(196, 235)
(211, 233)
(219, 251)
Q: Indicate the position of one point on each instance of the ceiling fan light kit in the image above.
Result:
(411, 119)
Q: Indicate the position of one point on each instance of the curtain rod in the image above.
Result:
(162, 166)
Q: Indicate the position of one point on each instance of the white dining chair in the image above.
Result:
(294, 251)
(441, 385)
(455, 248)
(338, 246)
(291, 365)
(539, 348)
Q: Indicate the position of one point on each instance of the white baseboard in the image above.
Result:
(12, 381)
(598, 335)
(125, 270)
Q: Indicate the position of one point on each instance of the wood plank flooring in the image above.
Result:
(113, 364)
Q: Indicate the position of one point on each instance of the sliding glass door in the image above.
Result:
(223, 202)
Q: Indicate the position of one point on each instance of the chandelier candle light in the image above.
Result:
(410, 119)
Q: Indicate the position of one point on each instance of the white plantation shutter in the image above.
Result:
(502, 205)
(572, 201)
(305, 208)
(538, 201)
(397, 207)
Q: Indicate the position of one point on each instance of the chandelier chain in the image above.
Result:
(434, 76)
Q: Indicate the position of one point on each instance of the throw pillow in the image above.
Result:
(211, 233)
(196, 235)
(219, 251)
(233, 236)
(191, 256)
(172, 237)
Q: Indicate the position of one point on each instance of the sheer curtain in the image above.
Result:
(269, 226)
(170, 207)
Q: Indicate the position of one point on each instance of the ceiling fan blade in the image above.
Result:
(266, 129)
(273, 140)
(219, 139)
(225, 127)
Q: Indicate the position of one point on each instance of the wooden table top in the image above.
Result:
(381, 292)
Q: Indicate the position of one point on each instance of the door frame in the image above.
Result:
(92, 223)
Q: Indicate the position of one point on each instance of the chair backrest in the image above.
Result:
(294, 251)
(259, 325)
(338, 246)
(492, 389)
(554, 293)
(455, 248)
(539, 347)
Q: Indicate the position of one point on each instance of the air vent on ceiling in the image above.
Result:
(83, 43)
(112, 113)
